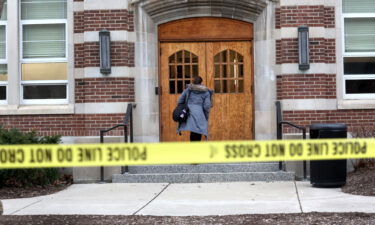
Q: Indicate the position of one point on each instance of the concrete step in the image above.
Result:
(202, 177)
(206, 168)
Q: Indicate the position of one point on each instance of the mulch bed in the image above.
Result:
(361, 182)
(28, 192)
(252, 219)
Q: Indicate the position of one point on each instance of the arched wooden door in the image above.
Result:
(226, 67)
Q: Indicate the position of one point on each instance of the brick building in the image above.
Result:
(247, 51)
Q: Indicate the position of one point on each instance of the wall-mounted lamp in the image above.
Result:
(303, 48)
(105, 51)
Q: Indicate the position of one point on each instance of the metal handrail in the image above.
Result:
(280, 124)
(128, 126)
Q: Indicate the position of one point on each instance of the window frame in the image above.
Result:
(22, 60)
(5, 61)
(357, 55)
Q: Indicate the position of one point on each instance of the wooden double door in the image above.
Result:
(226, 68)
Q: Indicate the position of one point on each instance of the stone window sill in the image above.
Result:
(36, 109)
(356, 104)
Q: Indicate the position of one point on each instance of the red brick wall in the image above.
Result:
(329, 17)
(109, 89)
(277, 18)
(312, 16)
(306, 86)
(321, 50)
(354, 119)
(96, 20)
(66, 125)
(87, 54)
(79, 55)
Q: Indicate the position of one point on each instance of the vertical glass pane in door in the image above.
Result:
(183, 66)
(228, 72)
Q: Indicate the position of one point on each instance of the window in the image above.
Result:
(3, 51)
(183, 66)
(359, 49)
(44, 76)
(229, 72)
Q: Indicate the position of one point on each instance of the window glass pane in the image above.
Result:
(3, 92)
(360, 86)
(2, 42)
(217, 71)
(44, 91)
(224, 70)
(180, 86)
(44, 71)
(356, 6)
(195, 70)
(172, 88)
(359, 65)
(360, 34)
(172, 72)
(44, 41)
(3, 72)
(240, 58)
(232, 55)
(240, 86)
(217, 58)
(172, 58)
(224, 56)
(240, 70)
(232, 86)
(43, 9)
(187, 72)
(225, 90)
(179, 71)
(217, 86)
(187, 57)
(3, 9)
(232, 71)
(179, 57)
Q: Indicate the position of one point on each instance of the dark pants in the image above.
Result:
(195, 136)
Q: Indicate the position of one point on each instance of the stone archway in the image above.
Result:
(167, 10)
(150, 13)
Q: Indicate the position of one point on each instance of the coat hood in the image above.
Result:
(198, 87)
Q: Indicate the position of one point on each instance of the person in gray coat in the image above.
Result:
(199, 103)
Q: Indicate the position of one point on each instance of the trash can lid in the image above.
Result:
(328, 126)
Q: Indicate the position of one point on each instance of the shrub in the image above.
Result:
(363, 132)
(27, 177)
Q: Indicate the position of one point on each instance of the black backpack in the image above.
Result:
(181, 112)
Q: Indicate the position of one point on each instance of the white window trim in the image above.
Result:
(14, 105)
(5, 61)
(42, 60)
(45, 101)
(354, 54)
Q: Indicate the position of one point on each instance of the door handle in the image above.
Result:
(157, 90)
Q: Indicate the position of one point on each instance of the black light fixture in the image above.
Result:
(105, 51)
(303, 48)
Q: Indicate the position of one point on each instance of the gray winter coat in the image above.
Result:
(199, 104)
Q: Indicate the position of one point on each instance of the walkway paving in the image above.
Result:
(191, 199)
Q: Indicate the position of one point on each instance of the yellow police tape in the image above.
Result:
(37, 156)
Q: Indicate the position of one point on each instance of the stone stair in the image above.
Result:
(204, 173)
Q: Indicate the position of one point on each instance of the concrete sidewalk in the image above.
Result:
(191, 199)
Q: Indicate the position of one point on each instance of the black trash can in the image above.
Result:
(328, 173)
